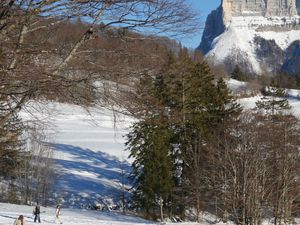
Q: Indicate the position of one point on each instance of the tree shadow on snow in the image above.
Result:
(86, 176)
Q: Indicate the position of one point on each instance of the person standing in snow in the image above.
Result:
(20, 221)
(37, 212)
(57, 215)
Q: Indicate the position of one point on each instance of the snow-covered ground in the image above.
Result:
(89, 149)
(9, 212)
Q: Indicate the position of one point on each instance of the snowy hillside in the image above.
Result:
(240, 39)
(249, 102)
(88, 151)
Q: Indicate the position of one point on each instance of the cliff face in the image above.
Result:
(259, 8)
(262, 35)
(214, 26)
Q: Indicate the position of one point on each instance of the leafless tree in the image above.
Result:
(81, 51)
(37, 172)
(33, 65)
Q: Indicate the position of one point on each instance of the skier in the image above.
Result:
(57, 214)
(37, 212)
(20, 221)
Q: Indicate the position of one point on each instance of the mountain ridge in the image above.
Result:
(234, 35)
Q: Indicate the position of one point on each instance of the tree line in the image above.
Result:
(195, 149)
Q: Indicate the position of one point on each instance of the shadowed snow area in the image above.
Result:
(88, 152)
(88, 177)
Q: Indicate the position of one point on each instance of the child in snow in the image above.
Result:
(57, 215)
(20, 221)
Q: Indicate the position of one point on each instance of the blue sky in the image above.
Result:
(203, 7)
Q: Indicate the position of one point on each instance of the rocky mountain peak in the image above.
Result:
(260, 35)
(266, 8)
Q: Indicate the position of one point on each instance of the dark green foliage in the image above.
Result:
(182, 107)
(285, 80)
(149, 145)
(274, 101)
(238, 74)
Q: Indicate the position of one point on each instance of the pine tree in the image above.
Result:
(149, 145)
(183, 106)
(238, 74)
(274, 102)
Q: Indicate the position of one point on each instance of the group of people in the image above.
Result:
(36, 212)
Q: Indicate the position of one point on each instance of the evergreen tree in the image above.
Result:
(183, 106)
(149, 145)
(274, 102)
(238, 74)
(206, 107)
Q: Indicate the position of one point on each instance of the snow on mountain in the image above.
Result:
(259, 36)
(240, 39)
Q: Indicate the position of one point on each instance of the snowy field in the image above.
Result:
(9, 212)
(89, 149)
(88, 152)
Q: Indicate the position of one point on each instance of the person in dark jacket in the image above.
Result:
(36, 213)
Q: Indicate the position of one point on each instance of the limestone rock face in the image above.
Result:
(266, 8)
(259, 35)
